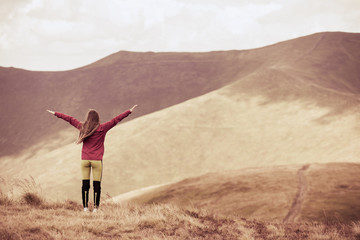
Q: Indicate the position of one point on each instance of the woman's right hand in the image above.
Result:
(52, 112)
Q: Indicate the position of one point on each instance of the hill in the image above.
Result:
(319, 192)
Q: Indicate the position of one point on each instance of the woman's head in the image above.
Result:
(92, 121)
(92, 116)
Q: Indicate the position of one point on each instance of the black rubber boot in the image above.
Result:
(97, 193)
(85, 192)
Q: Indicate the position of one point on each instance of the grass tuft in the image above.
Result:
(32, 199)
(5, 200)
(6, 234)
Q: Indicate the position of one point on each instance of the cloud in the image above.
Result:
(9, 9)
(297, 18)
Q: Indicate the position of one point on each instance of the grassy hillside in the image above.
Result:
(30, 217)
(331, 193)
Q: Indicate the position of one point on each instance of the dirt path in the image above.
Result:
(295, 209)
(129, 195)
(311, 49)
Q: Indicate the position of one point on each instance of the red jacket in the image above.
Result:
(93, 146)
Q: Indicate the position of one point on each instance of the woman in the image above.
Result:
(92, 135)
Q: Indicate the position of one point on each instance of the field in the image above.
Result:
(30, 217)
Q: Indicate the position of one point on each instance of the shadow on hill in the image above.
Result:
(320, 69)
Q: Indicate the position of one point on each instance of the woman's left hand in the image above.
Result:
(132, 109)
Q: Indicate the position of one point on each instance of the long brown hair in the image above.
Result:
(90, 125)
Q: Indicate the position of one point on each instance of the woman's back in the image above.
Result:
(93, 145)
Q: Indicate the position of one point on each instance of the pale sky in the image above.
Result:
(67, 34)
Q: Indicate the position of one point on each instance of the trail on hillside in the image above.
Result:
(132, 194)
(295, 209)
(311, 49)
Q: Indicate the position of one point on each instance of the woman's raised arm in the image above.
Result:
(73, 121)
(110, 124)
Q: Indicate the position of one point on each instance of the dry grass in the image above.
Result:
(65, 220)
(333, 194)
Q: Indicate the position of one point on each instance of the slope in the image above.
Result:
(267, 194)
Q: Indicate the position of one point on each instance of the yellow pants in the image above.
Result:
(95, 165)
